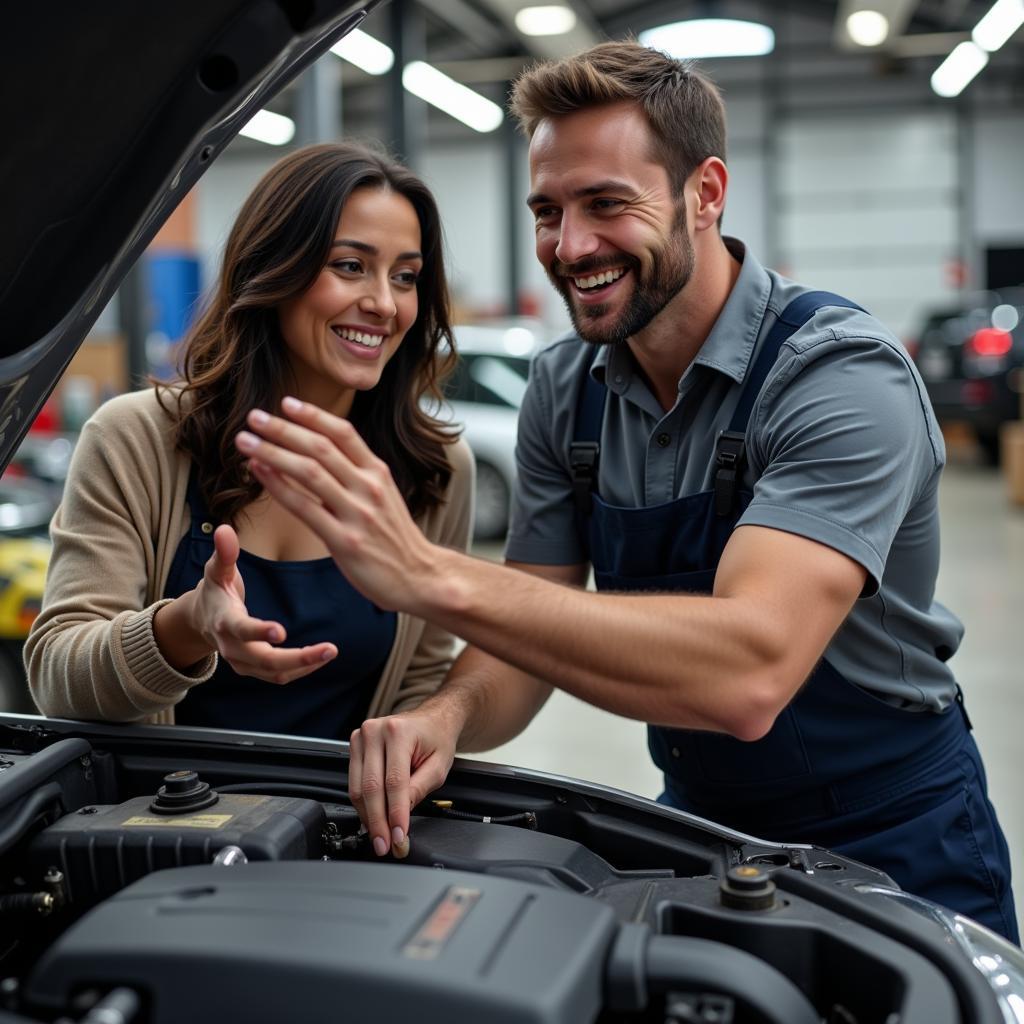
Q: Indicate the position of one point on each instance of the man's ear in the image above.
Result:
(710, 182)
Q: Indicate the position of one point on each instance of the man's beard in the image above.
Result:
(670, 270)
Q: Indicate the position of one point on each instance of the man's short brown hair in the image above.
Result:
(683, 106)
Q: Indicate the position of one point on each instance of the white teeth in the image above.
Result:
(605, 277)
(369, 340)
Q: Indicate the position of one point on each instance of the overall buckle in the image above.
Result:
(730, 458)
(583, 464)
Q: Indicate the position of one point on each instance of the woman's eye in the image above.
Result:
(407, 277)
(348, 266)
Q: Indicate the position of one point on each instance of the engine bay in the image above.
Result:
(154, 876)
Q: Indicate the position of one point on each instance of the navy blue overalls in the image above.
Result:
(315, 604)
(900, 790)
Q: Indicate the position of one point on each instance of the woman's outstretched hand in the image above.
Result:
(219, 615)
(319, 468)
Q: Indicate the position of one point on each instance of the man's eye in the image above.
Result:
(606, 204)
(541, 213)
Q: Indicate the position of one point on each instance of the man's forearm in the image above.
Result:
(486, 701)
(728, 662)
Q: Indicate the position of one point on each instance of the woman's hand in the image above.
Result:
(213, 617)
(320, 469)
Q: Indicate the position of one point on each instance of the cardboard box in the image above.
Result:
(1012, 442)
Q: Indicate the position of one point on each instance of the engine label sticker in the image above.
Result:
(436, 932)
(192, 821)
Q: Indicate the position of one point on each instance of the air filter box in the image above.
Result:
(101, 849)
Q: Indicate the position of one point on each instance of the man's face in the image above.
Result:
(610, 233)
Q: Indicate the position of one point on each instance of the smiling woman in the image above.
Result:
(332, 290)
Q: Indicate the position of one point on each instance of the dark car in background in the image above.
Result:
(971, 358)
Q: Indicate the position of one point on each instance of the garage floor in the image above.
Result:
(982, 581)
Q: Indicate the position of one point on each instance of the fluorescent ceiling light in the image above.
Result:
(867, 28)
(956, 71)
(365, 52)
(554, 20)
(452, 97)
(711, 37)
(1002, 20)
(273, 129)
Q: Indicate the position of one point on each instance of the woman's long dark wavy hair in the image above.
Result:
(236, 360)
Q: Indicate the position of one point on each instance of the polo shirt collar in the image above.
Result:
(731, 342)
(728, 347)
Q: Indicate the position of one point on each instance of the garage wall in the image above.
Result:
(869, 208)
(997, 171)
(867, 204)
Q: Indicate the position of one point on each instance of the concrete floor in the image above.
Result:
(981, 581)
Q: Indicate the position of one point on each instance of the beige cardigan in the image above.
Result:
(91, 652)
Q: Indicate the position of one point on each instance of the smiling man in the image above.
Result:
(750, 468)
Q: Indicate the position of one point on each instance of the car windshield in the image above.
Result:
(490, 380)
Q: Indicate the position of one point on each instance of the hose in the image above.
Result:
(699, 965)
(299, 789)
(30, 809)
(527, 818)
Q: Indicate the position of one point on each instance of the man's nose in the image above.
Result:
(575, 240)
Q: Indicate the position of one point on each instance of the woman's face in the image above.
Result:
(344, 328)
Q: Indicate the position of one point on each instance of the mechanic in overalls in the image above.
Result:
(758, 462)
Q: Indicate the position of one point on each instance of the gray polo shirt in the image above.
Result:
(842, 448)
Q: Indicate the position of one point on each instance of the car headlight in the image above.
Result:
(1000, 962)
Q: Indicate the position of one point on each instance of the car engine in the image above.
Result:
(153, 876)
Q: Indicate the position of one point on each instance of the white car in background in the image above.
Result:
(484, 394)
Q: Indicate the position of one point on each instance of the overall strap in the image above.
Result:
(730, 449)
(196, 504)
(585, 448)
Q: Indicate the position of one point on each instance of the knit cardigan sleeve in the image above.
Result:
(91, 652)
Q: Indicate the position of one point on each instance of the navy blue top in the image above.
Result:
(315, 604)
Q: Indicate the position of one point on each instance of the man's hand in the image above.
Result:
(394, 763)
(218, 614)
(320, 469)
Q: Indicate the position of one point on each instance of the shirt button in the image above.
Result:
(207, 527)
(618, 378)
(675, 751)
(664, 440)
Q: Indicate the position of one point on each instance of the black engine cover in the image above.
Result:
(330, 941)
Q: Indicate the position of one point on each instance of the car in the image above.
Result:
(971, 359)
(26, 505)
(484, 394)
(154, 875)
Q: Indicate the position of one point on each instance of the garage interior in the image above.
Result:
(852, 168)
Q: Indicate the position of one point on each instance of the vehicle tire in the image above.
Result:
(14, 694)
(988, 441)
(493, 495)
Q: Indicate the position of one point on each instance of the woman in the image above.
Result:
(332, 290)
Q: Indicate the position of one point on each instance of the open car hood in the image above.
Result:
(111, 115)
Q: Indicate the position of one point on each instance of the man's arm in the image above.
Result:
(395, 762)
(728, 662)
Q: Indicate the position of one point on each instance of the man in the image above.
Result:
(752, 472)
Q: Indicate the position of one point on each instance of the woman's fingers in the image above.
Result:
(279, 665)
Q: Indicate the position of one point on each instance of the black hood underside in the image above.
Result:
(112, 113)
